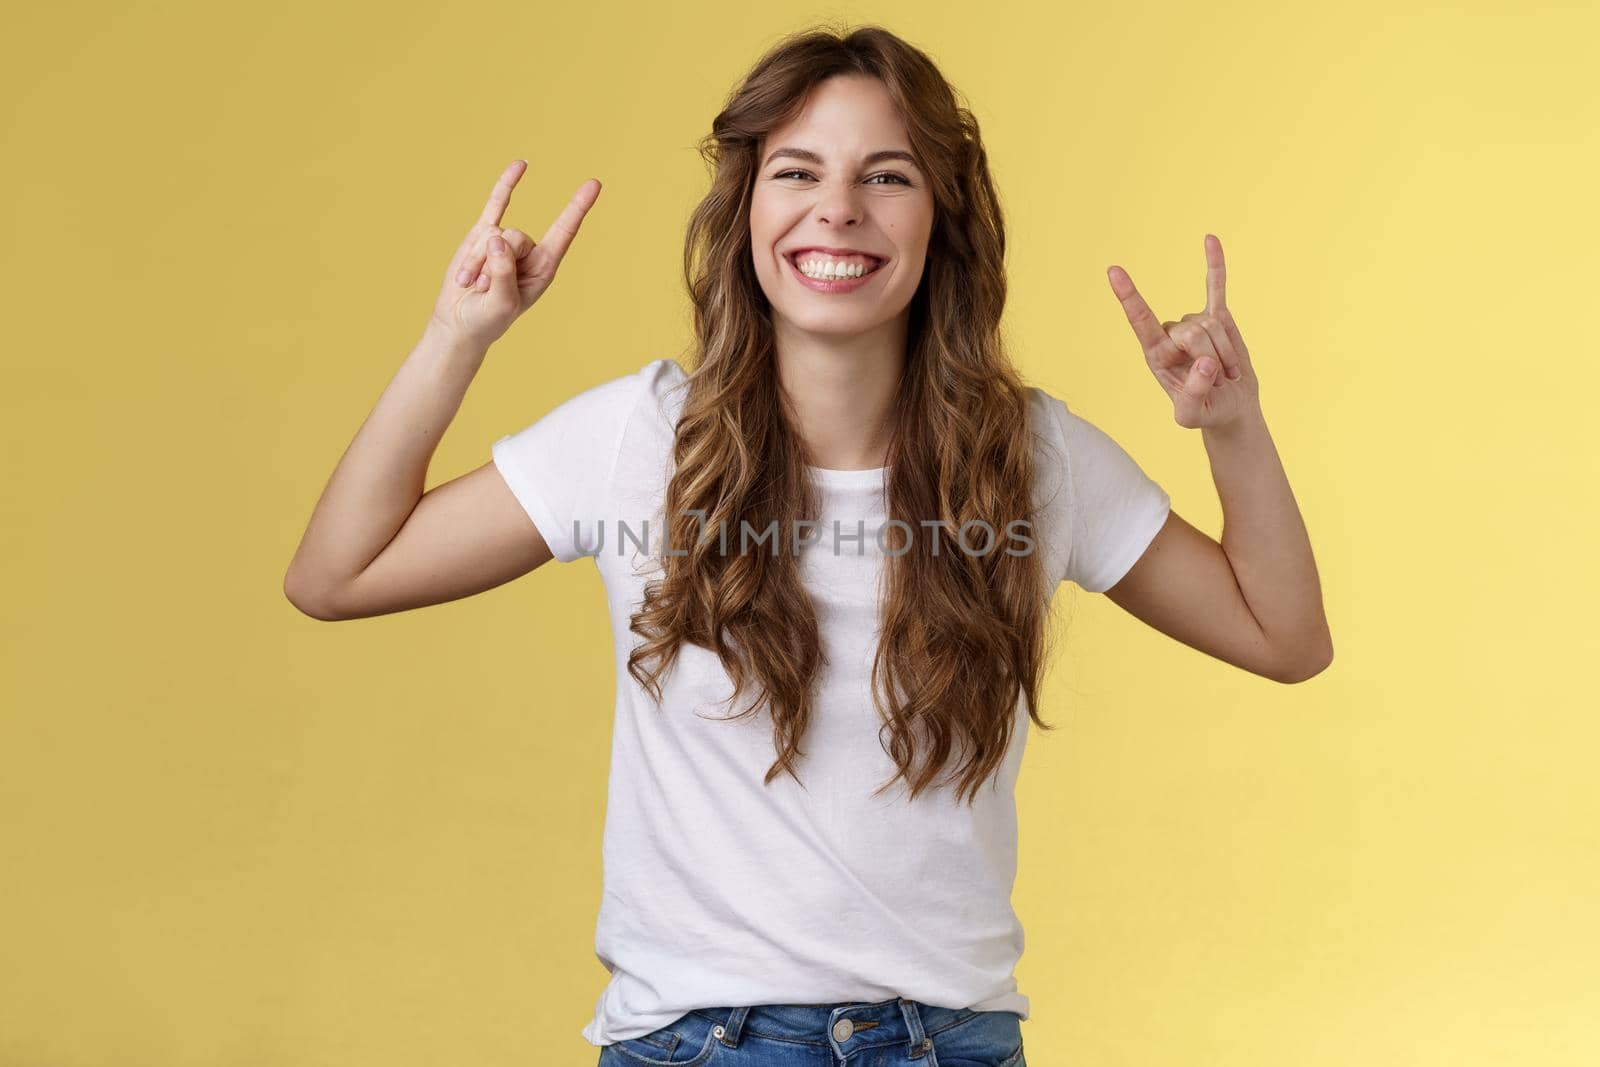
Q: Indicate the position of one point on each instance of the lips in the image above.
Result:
(834, 285)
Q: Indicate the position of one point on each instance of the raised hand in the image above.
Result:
(498, 273)
(1200, 360)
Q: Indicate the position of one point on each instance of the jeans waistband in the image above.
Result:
(845, 1027)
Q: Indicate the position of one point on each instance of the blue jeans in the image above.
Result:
(890, 1033)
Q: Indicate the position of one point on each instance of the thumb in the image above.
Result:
(1198, 381)
(1191, 398)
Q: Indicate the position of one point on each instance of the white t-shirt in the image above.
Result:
(722, 891)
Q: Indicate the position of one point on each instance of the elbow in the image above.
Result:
(1307, 665)
(308, 599)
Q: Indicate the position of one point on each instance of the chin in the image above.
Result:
(835, 323)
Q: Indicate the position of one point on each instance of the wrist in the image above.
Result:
(1245, 426)
(450, 341)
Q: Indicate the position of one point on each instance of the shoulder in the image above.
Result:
(653, 396)
(612, 406)
(653, 383)
(599, 416)
(1045, 411)
(1111, 508)
(1055, 421)
(663, 383)
(1047, 415)
(1086, 453)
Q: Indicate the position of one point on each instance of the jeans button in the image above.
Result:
(843, 1029)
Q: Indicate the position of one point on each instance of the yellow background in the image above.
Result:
(233, 836)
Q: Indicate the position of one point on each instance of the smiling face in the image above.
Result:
(840, 177)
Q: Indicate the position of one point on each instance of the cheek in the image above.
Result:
(763, 238)
(763, 216)
(910, 230)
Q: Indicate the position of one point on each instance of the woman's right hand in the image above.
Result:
(497, 274)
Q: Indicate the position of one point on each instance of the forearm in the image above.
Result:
(381, 476)
(1266, 542)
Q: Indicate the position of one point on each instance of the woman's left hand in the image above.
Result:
(1200, 360)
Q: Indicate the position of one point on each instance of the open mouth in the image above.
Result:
(873, 264)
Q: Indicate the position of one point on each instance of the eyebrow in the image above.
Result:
(812, 157)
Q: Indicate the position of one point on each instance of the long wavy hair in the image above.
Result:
(962, 636)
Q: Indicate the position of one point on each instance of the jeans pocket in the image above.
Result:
(984, 1039)
(684, 1042)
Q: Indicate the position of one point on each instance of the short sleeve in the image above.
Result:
(559, 468)
(1115, 508)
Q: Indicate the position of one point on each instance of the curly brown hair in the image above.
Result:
(962, 636)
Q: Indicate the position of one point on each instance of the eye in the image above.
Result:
(884, 174)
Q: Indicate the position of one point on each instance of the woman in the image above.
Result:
(849, 520)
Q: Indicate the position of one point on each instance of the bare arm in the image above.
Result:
(376, 543)
(1255, 599)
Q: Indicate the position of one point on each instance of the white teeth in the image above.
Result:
(828, 269)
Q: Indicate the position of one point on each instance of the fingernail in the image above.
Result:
(1235, 373)
(461, 277)
(1205, 366)
(496, 245)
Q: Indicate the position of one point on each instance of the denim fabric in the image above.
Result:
(890, 1033)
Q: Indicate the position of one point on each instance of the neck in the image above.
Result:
(841, 391)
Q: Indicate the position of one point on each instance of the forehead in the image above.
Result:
(847, 115)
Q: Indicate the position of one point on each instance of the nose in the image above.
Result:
(839, 203)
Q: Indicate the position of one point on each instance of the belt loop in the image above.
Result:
(734, 1026)
(920, 1043)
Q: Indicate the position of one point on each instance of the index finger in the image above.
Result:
(1216, 275)
(1146, 327)
(500, 196)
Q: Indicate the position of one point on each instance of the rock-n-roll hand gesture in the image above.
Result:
(498, 273)
(1200, 360)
